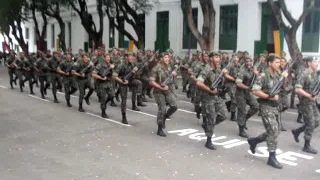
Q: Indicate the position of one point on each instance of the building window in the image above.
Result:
(228, 27)
(121, 36)
(52, 36)
(310, 36)
(70, 35)
(189, 41)
(27, 33)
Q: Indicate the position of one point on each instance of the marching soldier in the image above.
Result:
(28, 71)
(42, 69)
(244, 96)
(184, 71)
(232, 71)
(213, 108)
(103, 75)
(163, 93)
(304, 87)
(140, 76)
(53, 64)
(19, 69)
(269, 108)
(82, 70)
(65, 68)
(12, 68)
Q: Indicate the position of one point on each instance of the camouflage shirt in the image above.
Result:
(233, 71)
(245, 75)
(82, 67)
(116, 60)
(307, 80)
(159, 74)
(261, 66)
(53, 63)
(66, 66)
(42, 64)
(103, 69)
(197, 69)
(123, 70)
(208, 76)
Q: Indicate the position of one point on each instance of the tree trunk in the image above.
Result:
(140, 44)
(97, 39)
(40, 45)
(62, 34)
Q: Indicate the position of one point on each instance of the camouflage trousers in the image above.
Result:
(244, 98)
(213, 112)
(56, 83)
(12, 72)
(231, 90)
(136, 87)
(29, 76)
(185, 78)
(284, 101)
(270, 119)
(105, 89)
(162, 98)
(70, 86)
(20, 74)
(310, 114)
(192, 89)
(123, 89)
(44, 79)
(83, 85)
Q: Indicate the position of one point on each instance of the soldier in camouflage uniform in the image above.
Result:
(163, 93)
(19, 69)
(173, 62)
(141, 63)
(224, 60)
(125, 68)
(43, 74)
(82, 70)
(65, 68)
(244, 96)
(28, 71)
(103, 74)
(12, 68)
(213, 108)
(232, 71)
(192, 85)
(195, 74)
(269, 108)
(305, 85)
(53, 64)
(184, 71)
(116, 59)
(146, 90)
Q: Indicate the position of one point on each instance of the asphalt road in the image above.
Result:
(41, 140)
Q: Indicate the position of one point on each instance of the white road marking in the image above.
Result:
(181, 95)
(185, 102)
(318, 171)
(110, 120)
(289, 112)
(142, 113)
(70, 95)
(38, 98)
(3, 87)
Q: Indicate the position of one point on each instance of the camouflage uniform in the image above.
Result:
(69, 83)
(192, 85)
(269, 109)
(233, 71)
(84, 82)
(159, 74)
(43, 75)
(20, 72)
(245, 97)
(53, 63)
(104, 88)
(28, 73)
(307, 81)
(213, 108)
(184, 73)
(11, 70)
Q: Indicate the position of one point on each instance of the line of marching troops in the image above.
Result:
(262, 84)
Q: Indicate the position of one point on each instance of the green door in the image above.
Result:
(228, 27)
(162, 41)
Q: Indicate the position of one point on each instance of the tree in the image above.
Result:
(206, 38)
(119, 11)
(290, 30)
(12, 15)
(87, 19)
(38, 5)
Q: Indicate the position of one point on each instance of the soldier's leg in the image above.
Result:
(101, 91)
(233, 105)
(220, 109)
(73, 86)
(184, 81)
(175, 82)
(41, 79)
(67, 91)
(29, 76)
(124, 94)
(171, 100)
(254, 105)
(161, 102)
(197, 100)
(81, 86)
(241, 116)
(47, 84)
(311, 120)
(20, 77)
(16, 72)
(293, 95)
(54, 87)
(209, 113)
(300, 112)
(91, 89)
(10, 72)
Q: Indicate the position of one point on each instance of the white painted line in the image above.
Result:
(3, 87)
(38, 98)
(181, 95)
(185, 102)
(318, 171)
(70, 95)
(142, 113)
(186, 111)
(110, 120)
(291, 112)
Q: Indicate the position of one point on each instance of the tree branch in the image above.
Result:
(277, 13)
(74, 7)
(286, 12)
(187, 11)
(305, 13)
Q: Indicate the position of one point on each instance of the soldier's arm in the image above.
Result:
(299, 86)
(227, 75)
(116, 77)
(201, 85)
(60, 71)
(257, 89)
(153, 83)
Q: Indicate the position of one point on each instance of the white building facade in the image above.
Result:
(245, 25)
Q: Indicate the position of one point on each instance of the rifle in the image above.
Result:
(166, 81)
(84, 70)
(315, 91)
(218, 79)
(106, 71)
(275, 89)
(253, 79)
(131, 72)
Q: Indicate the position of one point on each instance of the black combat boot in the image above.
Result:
(160, 131)
(209, 144)
(198, 111)
(55, 99)
(103, 113)
(233, 116)
(87, 100)
(144, 99)
(140, 102)
(80, 108)
(134, 107)
(228, 104)
(124, 118)
(68, 103)
(117, 95)
(31, 90)
(307, 148)
(184, 89)
(242, 132)
(272, 161)
(299, 118)
(113, 104)
(253, 142)
(11, 85)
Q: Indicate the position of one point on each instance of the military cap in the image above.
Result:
(235, 54)
(262, 54)
(68, 53)
(310, 58)
(101, 48)
(128, 54)
(140, 51)
(114, 48)
(163, 54)
(169, 50)
(214, 54)
(148, 50)
(85, 54)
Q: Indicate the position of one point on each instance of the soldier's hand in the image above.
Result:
(82, 75)
(256, 72)
(215, 91)
(275, 98)
(165, 88)
(67, 73)
(285, 74)
(174, 73)
(224, 70)
(135, 69)
(125, 82)
(104, 78)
